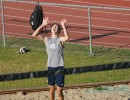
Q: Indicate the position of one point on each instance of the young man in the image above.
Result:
(54, 48)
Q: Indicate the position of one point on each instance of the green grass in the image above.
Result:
(75, 56)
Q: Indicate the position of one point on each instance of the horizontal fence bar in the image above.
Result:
(73, 5)
(21, 1)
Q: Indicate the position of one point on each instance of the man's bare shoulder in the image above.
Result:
(63, 39)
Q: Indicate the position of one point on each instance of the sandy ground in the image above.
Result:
(105, 93)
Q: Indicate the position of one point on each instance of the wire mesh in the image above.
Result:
(111, 32)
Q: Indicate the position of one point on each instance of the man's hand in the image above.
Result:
(63, 21)
(66, 36)
(45, 21)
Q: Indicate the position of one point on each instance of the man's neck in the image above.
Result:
(54, 35)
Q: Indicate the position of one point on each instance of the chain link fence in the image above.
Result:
(98, 35)
(93, 30)
(90, 27)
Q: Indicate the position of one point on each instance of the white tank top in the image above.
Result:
(55, 52)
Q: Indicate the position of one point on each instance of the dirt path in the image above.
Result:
(120, 92)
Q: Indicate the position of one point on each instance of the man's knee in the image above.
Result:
(52, 89)
(60, 91)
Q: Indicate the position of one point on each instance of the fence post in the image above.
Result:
(89, 29)
(3, 26)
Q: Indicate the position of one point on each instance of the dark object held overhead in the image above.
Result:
(36, 17)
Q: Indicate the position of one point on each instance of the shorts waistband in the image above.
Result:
(59, 67)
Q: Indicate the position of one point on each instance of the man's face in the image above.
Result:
(54, 28)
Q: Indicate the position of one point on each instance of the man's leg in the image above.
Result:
(52, 92)
(60, 85)
(51, 83)
(60, 93)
